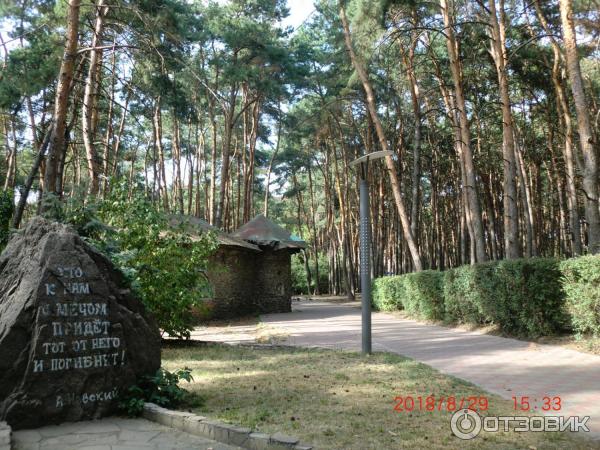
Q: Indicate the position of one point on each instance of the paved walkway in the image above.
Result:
(506, 367)
(112, 434)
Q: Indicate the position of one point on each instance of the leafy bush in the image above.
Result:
(299, 274)
(541, 308)
(161, 389)
(460, 296)
(7, 208)
(420, 294)
(523, 297)
(165, 265)
(581, 283)
(423, 294)
(388, 293)
(77, 211)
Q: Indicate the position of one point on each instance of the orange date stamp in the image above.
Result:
(432, 403)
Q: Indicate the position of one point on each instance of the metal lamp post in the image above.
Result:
(365, 245)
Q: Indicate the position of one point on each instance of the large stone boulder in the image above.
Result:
(72, 337)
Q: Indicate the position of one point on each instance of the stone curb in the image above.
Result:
(192, 342)
(219, 431)
(5, 433)
(253, 345)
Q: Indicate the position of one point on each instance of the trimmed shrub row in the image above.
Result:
(386, 294)
(581, 284)
(524, 297)
(420, 294)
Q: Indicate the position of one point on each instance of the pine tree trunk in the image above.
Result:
(466, 153)
(271, 162)
(415, 95)
(220, 216)
(106, 166)
(56, 146)
(586, 138)
(498, 51)
(90, 100)
(313, 213)
(569, 154)
(178, 182)
(213, 166)
(391, 167)
(162, 176)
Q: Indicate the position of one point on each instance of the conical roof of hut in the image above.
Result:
(261, 231)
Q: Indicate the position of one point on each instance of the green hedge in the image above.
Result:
(423, 295)
(460, 297)
(581, 283)
(387, 293)
(524, 297)
(420, 294)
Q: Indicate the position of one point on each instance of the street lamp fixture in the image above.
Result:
(365, 244)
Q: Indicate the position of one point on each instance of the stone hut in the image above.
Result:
(273, 282)
(251, 270)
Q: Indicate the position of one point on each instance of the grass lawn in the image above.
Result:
(340, 400)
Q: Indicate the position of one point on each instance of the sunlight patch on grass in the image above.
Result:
(338, 399)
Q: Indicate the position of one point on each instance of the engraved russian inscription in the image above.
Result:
(72, 336)
(72, 319)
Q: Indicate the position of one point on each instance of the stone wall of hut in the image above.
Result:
(244, 282)
(274, 282)
(231, 277)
